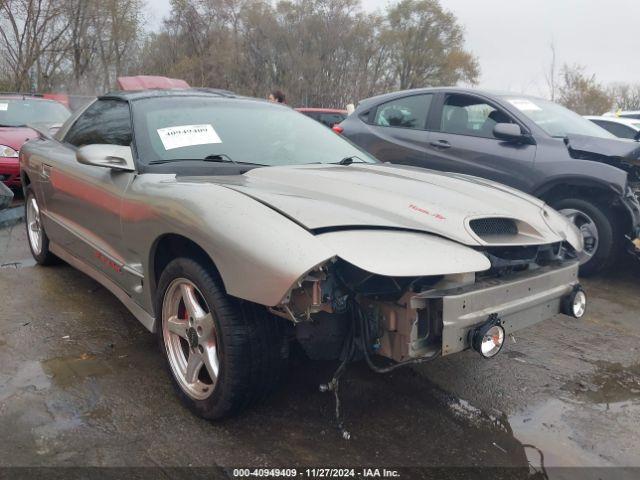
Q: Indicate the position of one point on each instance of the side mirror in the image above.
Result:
(637, 137)
(53, 129)
(509, 132)
(115, 157)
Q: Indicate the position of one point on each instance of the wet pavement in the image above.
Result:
(82, 383)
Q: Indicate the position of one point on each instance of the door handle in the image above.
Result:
(441, 144)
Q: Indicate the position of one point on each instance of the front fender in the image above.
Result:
(258, 252)
(261, 254)
(591, 174)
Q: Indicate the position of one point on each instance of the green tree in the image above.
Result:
(425, 44)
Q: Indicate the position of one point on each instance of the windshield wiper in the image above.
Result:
(218, 157)
(12, 126)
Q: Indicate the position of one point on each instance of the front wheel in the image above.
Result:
(599, 228)
(221, 355)
(37, 237)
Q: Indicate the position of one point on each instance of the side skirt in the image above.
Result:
(147, 320)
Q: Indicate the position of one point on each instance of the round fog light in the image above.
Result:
(488, 339)
(492, 341)
(575, 304)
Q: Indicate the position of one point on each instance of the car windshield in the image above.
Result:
(557, 120)
(242, 131)
(18, 112)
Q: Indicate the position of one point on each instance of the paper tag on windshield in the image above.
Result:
(187, 136)
(4, 107)
(524, 105)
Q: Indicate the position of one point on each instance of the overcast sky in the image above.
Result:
(512, 38)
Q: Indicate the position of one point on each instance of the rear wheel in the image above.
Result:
(222, 356)
(599, 226)
(37, 237)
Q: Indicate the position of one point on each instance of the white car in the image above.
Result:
(634, 114)
(621, 127)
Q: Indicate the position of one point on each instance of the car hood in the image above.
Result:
(324, 198)
(15, 137)
(596, 148)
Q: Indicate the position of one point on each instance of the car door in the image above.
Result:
(398, 132)
(462, 141)
(83, 202)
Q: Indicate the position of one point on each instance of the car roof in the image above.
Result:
(629, 122)
(131, 95)
(460, 90)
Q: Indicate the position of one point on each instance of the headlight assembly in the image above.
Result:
(8, 152)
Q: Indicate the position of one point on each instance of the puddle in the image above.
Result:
(67, 371)
(572, 430)
(30, 376)
(549, 439)
(611, 385)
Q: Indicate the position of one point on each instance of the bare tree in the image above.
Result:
(30, 35)
(583, 93)
(625, 96)
(551, 76)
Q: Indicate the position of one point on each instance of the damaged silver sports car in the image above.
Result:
(233, 227)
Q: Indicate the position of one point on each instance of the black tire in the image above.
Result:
(609, 232)
(44, 256)
(254, 349)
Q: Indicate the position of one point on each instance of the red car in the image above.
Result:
(326, 116)
(16, 112)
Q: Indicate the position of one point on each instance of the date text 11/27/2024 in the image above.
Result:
(315, 473)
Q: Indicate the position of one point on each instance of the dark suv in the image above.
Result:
(531, 144)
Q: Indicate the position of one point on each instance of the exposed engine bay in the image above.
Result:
(403, 318)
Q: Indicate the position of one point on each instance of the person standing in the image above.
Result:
(277, 96)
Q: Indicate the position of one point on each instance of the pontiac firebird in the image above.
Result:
(232, 227)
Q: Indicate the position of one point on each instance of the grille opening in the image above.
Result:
(491, 227)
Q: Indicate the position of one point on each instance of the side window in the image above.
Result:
(619, 130)
(406, 112)
(465, 115)
(106, 121)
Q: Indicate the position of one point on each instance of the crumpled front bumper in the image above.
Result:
(518, 300)
(421, 324)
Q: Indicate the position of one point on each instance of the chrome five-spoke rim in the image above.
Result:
(34, 228)
(190, 339)
(589, 232)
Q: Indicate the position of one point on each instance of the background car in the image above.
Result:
(620, 127)
(17, 114)
(528, 143)
(326, 116)
(633, 114)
